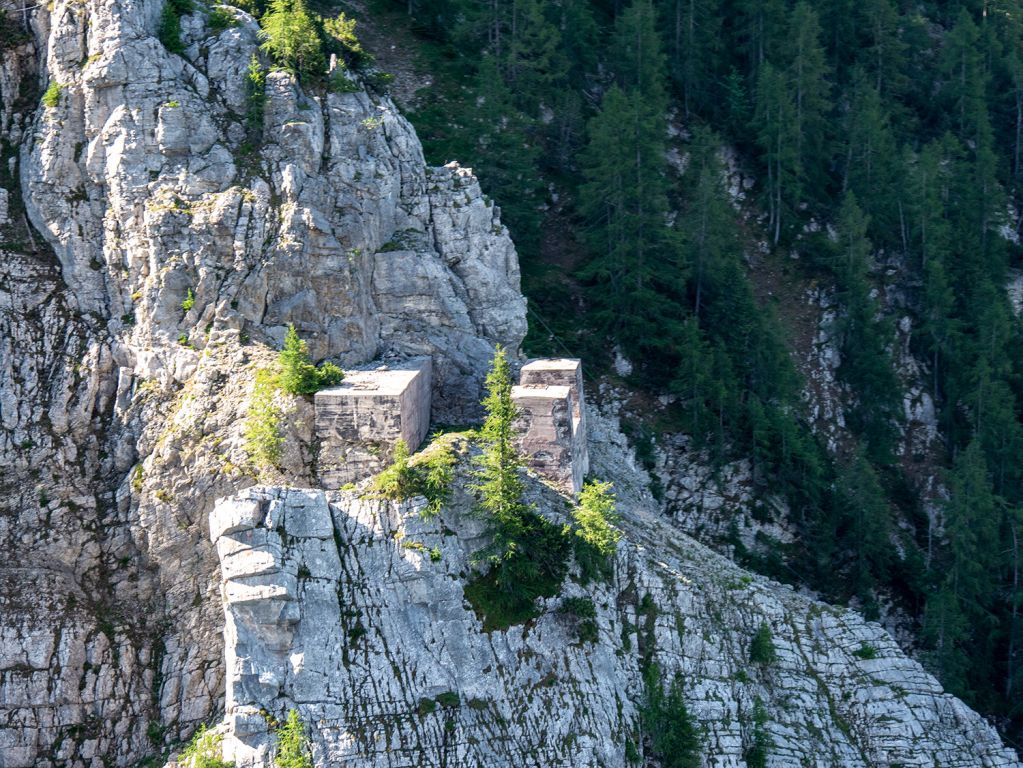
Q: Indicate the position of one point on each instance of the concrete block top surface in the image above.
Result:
(384, 380)
(552, 364)
(519, 392)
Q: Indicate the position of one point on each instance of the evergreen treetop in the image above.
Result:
(498, 466)
(291, 38)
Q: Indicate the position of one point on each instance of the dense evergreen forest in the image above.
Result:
(885, 138)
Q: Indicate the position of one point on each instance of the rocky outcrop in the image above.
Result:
(122, 403)
(353, 611)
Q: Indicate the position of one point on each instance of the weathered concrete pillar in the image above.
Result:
(545, 434)
(564, 372)
(359, 422)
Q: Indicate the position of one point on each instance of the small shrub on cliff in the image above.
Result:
(428, 474)
(188, 302)
(204, 751)
(293, 744)
(220, 19)
(339, 32)
(397, 481)
(756, 754)
(52, 96)
(169, 31)
(263, 438)
(435, 470)
(673, 736)
(583, 614)
(298, 375)
(255, 88)
(761, 649)
(595, 517)
(12, 32)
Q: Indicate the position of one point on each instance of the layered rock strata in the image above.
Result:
(353, 611)
(156, 240)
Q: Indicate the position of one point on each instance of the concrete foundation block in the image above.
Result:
(359, 422)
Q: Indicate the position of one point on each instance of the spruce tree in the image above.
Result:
(776, 137)
(806, 76)
(624, 201)
(290, 36)
(873, 167)
(866, 361)
(498, 466)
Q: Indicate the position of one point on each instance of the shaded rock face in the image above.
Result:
(121, 409)
(335, 606)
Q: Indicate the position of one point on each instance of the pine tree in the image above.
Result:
(939, 326)
(694, 377)
(596, 517)
(761, 32)
(885, 57)
(299, 376)
(256, 95)
(708, 227)
(962, 69)
(866, 361)
(580, 38)
(873, 167)
(807, 78)
(737, 106)
(290, 36)
(507, 156)
(498, 466)
(292, 744)
(776, 137)
(954, 621)
(1013, 654)
(535, 63)
(624, 201)
(693, 38)
(868, 516)
(637, 59)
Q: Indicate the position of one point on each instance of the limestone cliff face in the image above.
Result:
(352, 611)
(120, 410)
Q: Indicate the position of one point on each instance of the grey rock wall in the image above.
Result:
(121, 414)
(337, 608)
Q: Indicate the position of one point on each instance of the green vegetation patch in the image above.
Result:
(428, 473)
(51, 98)
(761, 649)
(298, 376)
(293, 747)
(204, 751)
(671, 732)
